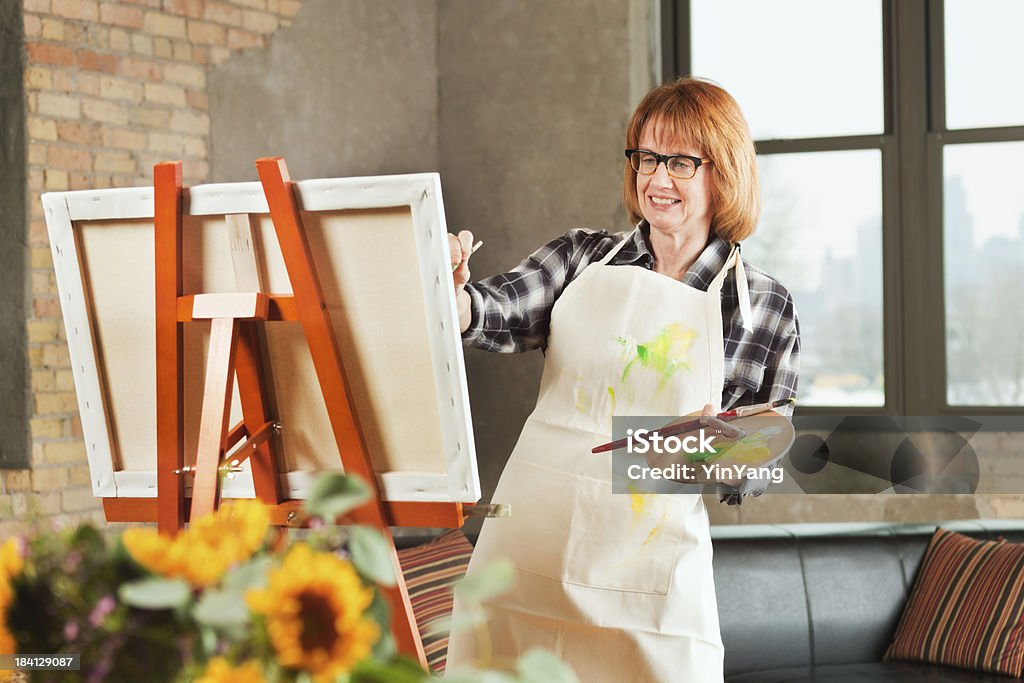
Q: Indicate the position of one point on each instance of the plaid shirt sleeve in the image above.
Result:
(765, 363)
(762, 365)
(511, 311)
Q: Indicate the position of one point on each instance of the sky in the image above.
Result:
(807, 68)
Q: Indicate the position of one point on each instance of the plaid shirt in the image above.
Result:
(511, 312)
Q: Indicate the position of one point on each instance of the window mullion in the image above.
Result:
(922, 352)
(675, 35)
(936, 65)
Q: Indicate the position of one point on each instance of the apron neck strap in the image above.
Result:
(734, 260)
(617, 248)
(742, 291)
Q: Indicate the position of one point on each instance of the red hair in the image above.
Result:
(697, 112)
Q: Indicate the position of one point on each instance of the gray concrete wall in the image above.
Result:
(14, 396)
(349, 89)
(521, 105)
(535, 97)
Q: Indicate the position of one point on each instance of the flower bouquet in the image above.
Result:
(226, 601)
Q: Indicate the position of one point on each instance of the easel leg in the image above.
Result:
(323, 347)
(220, 365)
(252, 392)
(170, 354)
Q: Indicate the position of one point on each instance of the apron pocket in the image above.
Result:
(628, 542)
(573, 529)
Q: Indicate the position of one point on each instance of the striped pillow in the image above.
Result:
(966, 607)
(430, 570)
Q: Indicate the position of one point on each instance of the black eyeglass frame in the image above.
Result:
(664, 159)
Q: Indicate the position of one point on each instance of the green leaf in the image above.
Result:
(88, 539)
(252, 574)
(540, 666)
(371, 555)
(477, 676)
(155, 593)
(221, 609)
(494, 578)
(399, 670)
(466, 619)
(379, 611)
(208, 640)
(385, 647)
(335, 494)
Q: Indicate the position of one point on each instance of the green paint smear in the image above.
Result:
(665, 353)
(749, 449)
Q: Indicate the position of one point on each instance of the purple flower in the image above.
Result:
(72, 561)
(104, 607)
(70, 631)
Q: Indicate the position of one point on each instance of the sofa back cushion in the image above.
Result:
(792, 596)
(855, 591)
(762, 604)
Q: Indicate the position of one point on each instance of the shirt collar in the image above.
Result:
(709, 264)
(635, 252)
(701, 273)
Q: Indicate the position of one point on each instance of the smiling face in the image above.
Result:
(673, 205)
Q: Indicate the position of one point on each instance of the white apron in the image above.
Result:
(618, 586)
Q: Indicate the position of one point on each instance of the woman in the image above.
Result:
(661, 322)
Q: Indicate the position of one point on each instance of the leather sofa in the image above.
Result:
(819, 603)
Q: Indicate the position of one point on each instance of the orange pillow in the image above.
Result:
(966, 607)
(430, 572)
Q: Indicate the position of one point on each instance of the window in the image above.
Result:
(890, 139)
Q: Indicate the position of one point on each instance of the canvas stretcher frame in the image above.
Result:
(409, 496)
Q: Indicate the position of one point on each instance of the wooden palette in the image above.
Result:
(769, 437)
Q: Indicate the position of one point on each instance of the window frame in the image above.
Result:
(15, 271)
(914, 137)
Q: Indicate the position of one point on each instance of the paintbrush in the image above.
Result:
(455, 266)
(683, 427)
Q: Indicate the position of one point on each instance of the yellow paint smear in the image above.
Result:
(582, 399)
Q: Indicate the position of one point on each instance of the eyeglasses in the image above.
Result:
(679, 166)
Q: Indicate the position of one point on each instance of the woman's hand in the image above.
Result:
(728, 492)
(460, 247)
(724, 429)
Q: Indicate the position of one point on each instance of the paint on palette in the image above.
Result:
(751, 449)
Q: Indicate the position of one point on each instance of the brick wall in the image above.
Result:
(111, 87)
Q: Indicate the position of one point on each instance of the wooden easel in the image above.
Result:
(235, 350)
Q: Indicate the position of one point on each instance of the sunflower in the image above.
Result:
(7, 644)
(10, 558)
(207, 549)
(314, 606)
(220, 671)
(10, 566)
